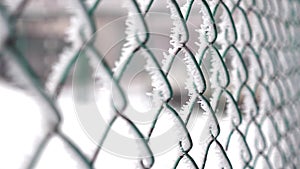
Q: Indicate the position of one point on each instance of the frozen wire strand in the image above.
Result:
(204, 52)
(166, 74)
(235, 126)
(112, 122)
(31, 77)
(280, 82)
(151, 156)
(136, 130)
(208, 29)
(139, 134)
(186, 9)
(252, 110)
(188, 159)
(135, 25)
(214, 131)
(167, 62)
(205, 31)
(267, 160)
(128, 50)
(266, 115)
(174, 42)
(106, 76)
(187, 136)
(119, 76)
(28, 72)
(191, 63)
(176, 32)
(70, 143)
(77, 35)
(159, 81)
(195, 84)
(194, 72)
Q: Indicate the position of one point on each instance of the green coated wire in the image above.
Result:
(278, 47)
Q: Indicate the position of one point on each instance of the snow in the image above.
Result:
(23, 126)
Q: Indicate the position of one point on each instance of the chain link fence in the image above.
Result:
(244, 74)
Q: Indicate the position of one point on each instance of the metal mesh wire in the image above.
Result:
(253, 49)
